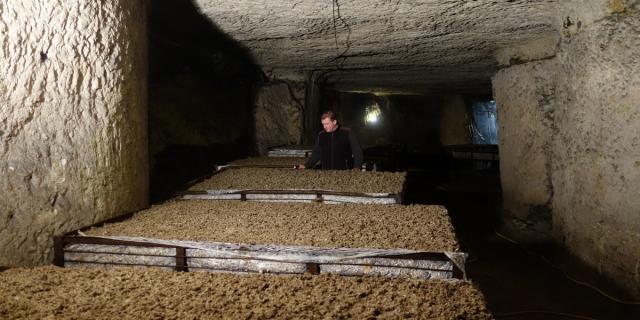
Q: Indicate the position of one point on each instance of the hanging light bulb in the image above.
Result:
(372, 113)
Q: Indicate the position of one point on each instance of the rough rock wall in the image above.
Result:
(73, 120)
(586, 130)
(454, 123)
(278, 116)
(189, 110)
(596, 153)
(300, 34)
(200, 97)
(522, 93)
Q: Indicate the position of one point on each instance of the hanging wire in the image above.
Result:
(335, 29)
(337, 16)
(566, 275)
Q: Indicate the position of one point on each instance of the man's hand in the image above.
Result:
(300, 166)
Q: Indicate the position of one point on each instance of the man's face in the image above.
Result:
(329, 125)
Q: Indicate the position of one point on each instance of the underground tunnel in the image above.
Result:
(500, 141)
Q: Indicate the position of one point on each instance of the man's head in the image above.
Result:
(329, 121)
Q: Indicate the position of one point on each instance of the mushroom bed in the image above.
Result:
(415, 227)
(269, 161)
(127, 293)
(288, 179)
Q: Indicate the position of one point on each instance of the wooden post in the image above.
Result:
(181, 259)
(58, 251)
(313, 268)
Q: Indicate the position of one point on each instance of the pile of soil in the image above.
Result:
(269, 161)
(126, 293)
(416, 227)
(281, 179)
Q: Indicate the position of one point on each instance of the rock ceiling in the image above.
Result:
(381, 44)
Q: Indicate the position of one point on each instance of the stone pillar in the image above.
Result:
(314, 85)
(73, 119)
(523, 94)
(596, 152)
(454, 124)
(569, 140)
(278, 116)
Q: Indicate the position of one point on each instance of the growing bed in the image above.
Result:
(415, 241)
(127, 293)
(290, 151)
(284, 162)
(271, 184)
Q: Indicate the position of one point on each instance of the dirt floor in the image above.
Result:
(280, 179)
(125, 293)
(417, 227)
(270, 161)
(519, 282)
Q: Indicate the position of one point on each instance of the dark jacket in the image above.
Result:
(337, 150)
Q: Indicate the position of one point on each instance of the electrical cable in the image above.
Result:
(582, 283)
(337, 16)
(335, 29)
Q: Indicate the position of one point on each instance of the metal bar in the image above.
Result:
(439, 256)
(122, 253)
(300, 191)
(309, 268)
(106, 241)
(183, 266)
(182, 258)
(429, 256)
(329, 263)
(182, 255)
(262, 166)
(120, 264)
(246, 271)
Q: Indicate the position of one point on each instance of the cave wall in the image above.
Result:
(596, 159)
(202, 86)
(424, 123)
(580, 113)
(73, 120)
(522, 93)
(454, 123)
(278, 115)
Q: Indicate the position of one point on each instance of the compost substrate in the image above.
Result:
(128, 293)
(287, 179)
(415, 227)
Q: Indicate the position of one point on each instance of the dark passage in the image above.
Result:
(201, 95)
(518, 281)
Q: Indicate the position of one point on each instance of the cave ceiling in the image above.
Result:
(382, 45)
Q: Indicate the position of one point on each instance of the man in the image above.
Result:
(336, 147)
